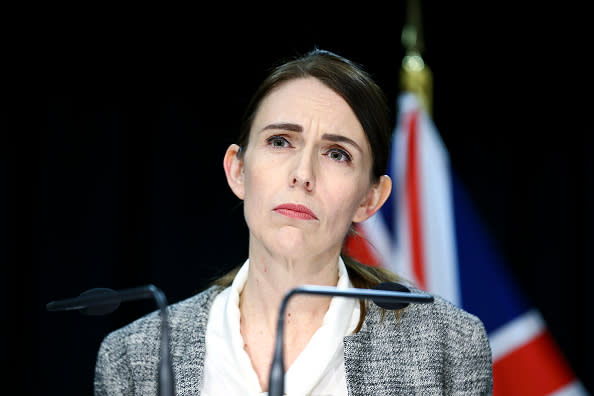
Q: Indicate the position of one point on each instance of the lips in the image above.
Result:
(295, 211)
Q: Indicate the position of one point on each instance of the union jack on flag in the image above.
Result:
(429, 233)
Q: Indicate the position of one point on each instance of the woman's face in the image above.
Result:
(305, 174)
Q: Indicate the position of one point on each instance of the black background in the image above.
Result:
(126, 114)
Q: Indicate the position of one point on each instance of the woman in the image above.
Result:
(309, 163)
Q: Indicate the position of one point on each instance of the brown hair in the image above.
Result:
(369, 104)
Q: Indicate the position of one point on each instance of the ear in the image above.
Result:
(374, 200)
(233, 165)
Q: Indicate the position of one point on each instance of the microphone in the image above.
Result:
(101, 301)
(388, 295)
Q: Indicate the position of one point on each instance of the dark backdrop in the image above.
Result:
(121, 169)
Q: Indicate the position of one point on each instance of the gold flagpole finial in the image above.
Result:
(415, 76)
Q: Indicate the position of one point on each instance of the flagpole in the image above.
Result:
(415, 75)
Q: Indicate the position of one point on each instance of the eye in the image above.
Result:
(278, 142)
(337, 154)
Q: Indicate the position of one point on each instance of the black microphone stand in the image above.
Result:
(276, 380)
(107, 300)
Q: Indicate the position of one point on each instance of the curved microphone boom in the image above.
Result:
(101, 301)
(388, 295)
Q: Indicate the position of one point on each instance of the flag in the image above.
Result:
(429, 233)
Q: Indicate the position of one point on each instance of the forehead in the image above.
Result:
(305, 100)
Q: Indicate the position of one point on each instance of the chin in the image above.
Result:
(292, 243)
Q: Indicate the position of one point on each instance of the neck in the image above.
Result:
(267, 283)
(269, 280)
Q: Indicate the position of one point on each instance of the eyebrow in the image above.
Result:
(287, 126)
(341, 139)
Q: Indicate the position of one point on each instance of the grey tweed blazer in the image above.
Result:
(432, 349)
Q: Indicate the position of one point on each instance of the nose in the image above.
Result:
(303, 173)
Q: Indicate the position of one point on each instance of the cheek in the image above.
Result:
(256, 180)
(344, 198)
(257, 186)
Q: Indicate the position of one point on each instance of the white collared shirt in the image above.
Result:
(319, 368)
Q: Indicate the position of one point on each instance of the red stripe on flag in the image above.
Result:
(414, 202)
(359, 248)
(534, 369)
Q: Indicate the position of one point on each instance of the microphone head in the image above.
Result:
(391, 286)
(103, 308)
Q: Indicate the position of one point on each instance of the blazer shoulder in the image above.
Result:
(146, 329)
(440, 318)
